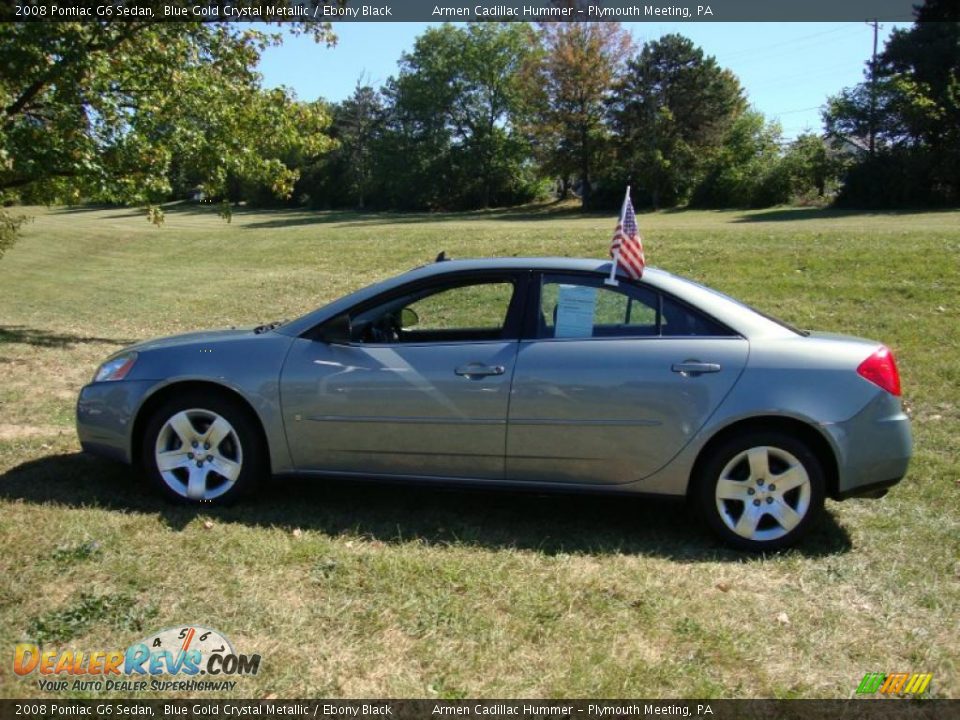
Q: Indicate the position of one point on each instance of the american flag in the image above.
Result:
(626, 239)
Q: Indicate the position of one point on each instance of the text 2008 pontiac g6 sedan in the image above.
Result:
(519, 372)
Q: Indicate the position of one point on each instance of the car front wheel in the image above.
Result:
(761, 490)
(203, 449)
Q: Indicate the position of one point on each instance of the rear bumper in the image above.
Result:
(105, 415)
(873, 449)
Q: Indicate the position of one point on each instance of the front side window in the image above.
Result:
(585, 307)
(449, 313)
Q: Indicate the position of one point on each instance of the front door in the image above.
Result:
(421, 387)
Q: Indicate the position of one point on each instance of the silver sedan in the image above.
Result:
(520, 372)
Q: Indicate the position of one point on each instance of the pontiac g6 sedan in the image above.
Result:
(525, 373)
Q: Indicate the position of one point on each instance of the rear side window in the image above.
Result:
(678, 320)
(585, 307)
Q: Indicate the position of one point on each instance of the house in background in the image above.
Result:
(846, 146)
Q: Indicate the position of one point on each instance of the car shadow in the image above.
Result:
(393, 513)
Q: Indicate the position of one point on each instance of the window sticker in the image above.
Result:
(576, 305)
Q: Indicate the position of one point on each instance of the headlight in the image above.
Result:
(115, 368)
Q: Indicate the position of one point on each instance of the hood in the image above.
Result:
(194, 338)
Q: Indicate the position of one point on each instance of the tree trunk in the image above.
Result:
(584, 168)
(486, 183)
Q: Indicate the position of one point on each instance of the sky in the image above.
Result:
(787, 69)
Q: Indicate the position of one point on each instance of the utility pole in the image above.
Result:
(873, 88)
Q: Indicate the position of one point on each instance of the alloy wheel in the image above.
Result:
(198, 454)
(763, 493)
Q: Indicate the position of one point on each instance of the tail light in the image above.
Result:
(881, 369)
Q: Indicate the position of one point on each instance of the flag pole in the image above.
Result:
(612, 280)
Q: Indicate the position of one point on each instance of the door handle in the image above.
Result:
(475, 370)
(694, 368)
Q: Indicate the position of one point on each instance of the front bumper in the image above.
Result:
(873, 448)
(105, 416)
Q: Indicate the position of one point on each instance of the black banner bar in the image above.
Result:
(459, 10)
(863, 709)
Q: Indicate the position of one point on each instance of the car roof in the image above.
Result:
(651, 275)
(732, 313)
(515, 263)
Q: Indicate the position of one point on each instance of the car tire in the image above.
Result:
(201, 448)
(760, 490)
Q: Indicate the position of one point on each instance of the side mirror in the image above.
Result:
(337, 331)
(409, 318)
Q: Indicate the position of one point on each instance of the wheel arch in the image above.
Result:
(163, 394)
(818, 444)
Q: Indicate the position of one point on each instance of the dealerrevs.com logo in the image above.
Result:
(190, 658)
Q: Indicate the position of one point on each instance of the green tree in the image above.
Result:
(909, 104)
(810, 166)
(98, 110)
(9, 225)
(567, 87)
(348, 175)
(672, 112)
(747, 169)
(454, 114)
(359, 123)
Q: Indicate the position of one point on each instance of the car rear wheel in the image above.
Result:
(761, 490)
(203, 449)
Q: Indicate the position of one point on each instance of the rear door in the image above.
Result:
(612, 382)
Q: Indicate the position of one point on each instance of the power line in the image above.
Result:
(799, 110)
(779, 47)
(798, 78)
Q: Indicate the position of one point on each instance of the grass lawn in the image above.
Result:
(398, 592)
